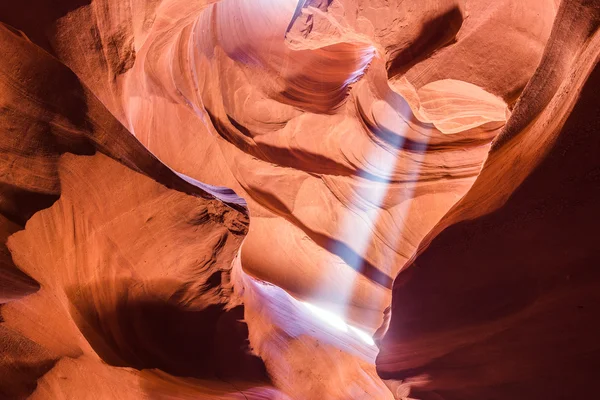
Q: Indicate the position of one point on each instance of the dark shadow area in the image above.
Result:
(134, 327)
(14, 283)
(306, 161)
(353, 259)
(531, 266)
(436, 33)
(36, 17)
(18, 204)
(42, 90)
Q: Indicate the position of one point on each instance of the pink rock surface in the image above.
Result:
(252, 199)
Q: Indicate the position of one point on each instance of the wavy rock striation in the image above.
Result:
(281, 199)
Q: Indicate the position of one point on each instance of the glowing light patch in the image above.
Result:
(327, 316)
(338, 323)
(363, 335)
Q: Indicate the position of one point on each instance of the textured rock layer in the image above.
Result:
(281, 199)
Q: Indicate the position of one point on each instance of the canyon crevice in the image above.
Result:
(315, 199)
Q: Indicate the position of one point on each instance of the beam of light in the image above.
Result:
(357, 228)
(296, 318)
(338, 323)
(327, 316)
(405, 208)
(363, 335)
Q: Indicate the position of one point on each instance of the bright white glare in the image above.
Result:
(363, 335)
(337, 322)
(327, 316)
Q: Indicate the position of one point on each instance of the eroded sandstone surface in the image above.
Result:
(315, 199)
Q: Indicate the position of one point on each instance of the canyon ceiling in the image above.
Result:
(298, 200)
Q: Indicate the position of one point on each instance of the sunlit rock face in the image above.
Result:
(281, 199)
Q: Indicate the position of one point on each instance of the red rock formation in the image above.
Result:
(131, 274)
(144, 142)
(502, 300)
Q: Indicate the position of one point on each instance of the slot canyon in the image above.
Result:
(299, 199)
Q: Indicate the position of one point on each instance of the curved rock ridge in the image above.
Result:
(286, 132)
(107, 292)
(281, 199)
(47, 112)
(125, 283)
